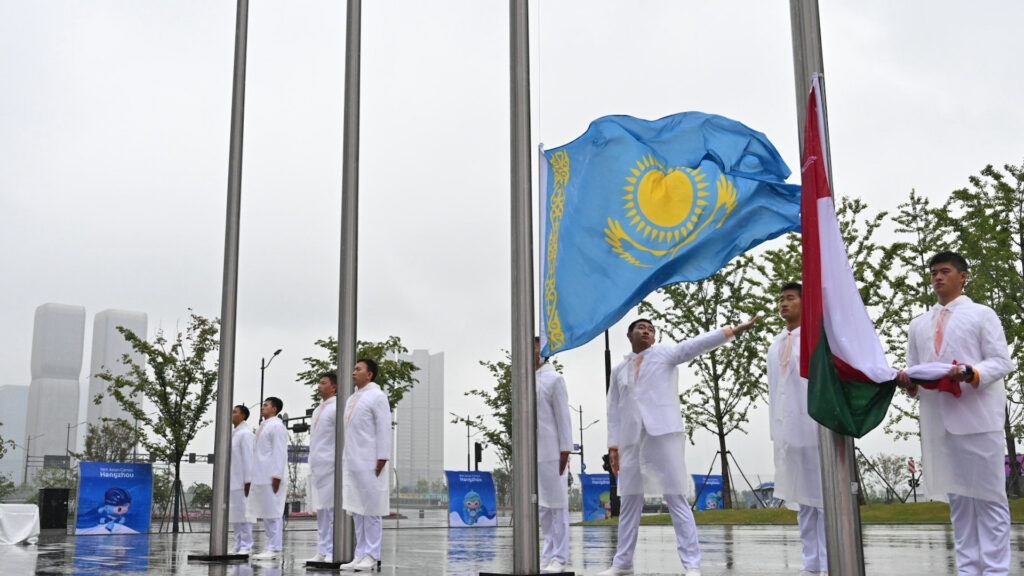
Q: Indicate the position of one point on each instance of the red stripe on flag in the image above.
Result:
(814, 185)
(848, 373)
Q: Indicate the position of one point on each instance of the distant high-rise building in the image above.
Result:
(13, 406)
(58, 339)
(419, 430)
(108, 346)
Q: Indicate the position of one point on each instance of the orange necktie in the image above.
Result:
(787, 351)
(938, 330)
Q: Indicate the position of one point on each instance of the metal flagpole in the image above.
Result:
(525, 555)
(838, 473)
(344, 528)
(229, 298)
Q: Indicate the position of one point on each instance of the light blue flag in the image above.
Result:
(633, 205)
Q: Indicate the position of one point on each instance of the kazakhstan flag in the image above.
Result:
(633, 205)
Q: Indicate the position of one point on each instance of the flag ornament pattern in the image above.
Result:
(850, 382)
(633, 205)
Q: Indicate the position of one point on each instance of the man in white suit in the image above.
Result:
(270, 460)
(365, 487)
(647, 439)
(962, 439)
(321, 464)
(241, 478)
(554, 443)
(795, 434)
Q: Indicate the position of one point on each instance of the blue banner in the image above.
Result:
(472, 500)
(596, 496)
(114, 498)
(633, 205)
(710, 498)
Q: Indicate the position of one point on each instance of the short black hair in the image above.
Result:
(795, 287)
(637, 321)
(332, 376)
(243, 410)
(371, 366)
(958, 261)
(275, 402)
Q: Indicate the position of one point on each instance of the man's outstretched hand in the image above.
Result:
(741, 328)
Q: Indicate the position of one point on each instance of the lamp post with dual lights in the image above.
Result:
(264, 363)
(583, 465)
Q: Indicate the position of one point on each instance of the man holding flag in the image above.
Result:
(962, 435)
(647, 438)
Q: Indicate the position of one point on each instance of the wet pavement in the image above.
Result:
(728, 550)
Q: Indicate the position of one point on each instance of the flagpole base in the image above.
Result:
(218, 559)
(538, 574)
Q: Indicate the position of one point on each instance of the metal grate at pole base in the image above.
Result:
(331, 567)
(222, 559)
(544, 574)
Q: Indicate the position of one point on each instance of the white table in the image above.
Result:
(18, 522)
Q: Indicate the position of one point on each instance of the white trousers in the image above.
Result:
(369, 530)
(554, 522)
(243, 535)
(682, 520)
(812, 538)
(981, 529)
(325, 530)
(273, 527)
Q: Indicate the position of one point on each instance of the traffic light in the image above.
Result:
(479, 452)
(606, 463)
(192, 458)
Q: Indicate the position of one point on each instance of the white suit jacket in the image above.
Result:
(270, 452)
(972, 335)
(554, 423)
(241, 456)
(649, 398)
(789, 421)
(322, 439)
(367, 428)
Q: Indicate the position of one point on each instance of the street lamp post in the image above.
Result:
(579, 411)
(67, 448)
(263, 368)
(469, 448)
(28, 454)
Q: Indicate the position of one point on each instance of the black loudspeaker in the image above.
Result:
(53, 508)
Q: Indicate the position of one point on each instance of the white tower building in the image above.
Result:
(419, 445)
(57, 343)
(108, 346)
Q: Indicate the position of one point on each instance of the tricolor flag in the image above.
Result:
(850, 382)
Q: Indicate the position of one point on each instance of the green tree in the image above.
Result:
(987, 220)
(202, 496)
(163, 486)
(731, 378)
(395, 378)
(884, 474)
(178, 378)
(112, 441)
(7, 487)
(5, 445)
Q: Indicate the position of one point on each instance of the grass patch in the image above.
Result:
(910, 513)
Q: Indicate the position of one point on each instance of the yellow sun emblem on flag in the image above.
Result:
(665, 208)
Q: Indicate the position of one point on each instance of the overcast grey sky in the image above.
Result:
(114, 120)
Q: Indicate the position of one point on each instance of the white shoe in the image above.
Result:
(368, 563)
(616, 571)
(692, 572)
(318, 558)
(268, 555)
(352, 564)
(555, 567)
(244, 551)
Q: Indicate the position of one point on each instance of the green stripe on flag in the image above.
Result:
(849, 407)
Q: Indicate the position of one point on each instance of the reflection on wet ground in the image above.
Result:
(728, 550)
